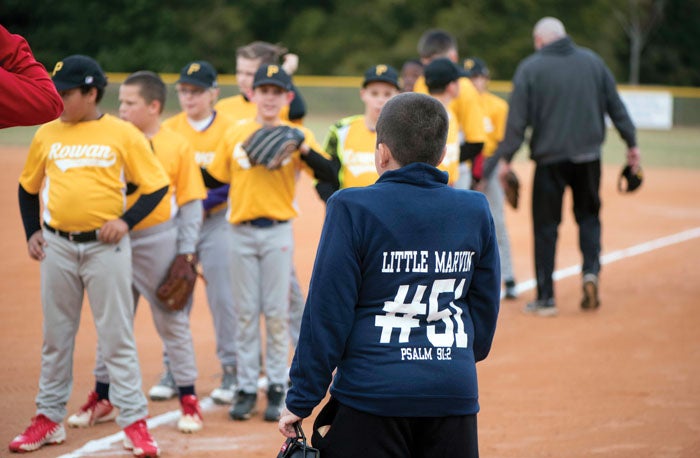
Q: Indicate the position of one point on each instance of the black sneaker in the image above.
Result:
(511, 290)
(244, 407)
(275, 401)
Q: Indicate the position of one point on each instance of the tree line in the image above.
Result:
(645, 41)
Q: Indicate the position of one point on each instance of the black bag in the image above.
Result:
(297, 448)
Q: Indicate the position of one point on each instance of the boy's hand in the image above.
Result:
(286, 423)
(35, 246)
(113, 231)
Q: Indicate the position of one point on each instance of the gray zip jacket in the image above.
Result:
(563, 92)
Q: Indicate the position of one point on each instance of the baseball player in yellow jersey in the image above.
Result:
(83, 160)
(495, 114)
(436, 43)
(170, 230)
(260, 208)
(442, 79)
(204, 128)
(351, 141)
(248, 59)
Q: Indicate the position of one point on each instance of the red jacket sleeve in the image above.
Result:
(27, 94)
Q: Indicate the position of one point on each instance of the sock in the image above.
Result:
(102, 390)
(186, 390)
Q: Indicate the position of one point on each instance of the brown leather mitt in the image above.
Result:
(511, 187)
(178, 285)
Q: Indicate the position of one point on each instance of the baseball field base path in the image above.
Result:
(623, 381)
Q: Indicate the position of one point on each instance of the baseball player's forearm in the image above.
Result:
(211, 182)
(331, 303)
(468, 150)
(215, 196)
(324, 169)
(326, 189)
(29, 96)
(189, 224)
(29, 208)
(143, 206)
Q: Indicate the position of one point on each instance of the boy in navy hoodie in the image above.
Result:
(403, 302)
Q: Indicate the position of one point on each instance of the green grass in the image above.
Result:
(674, 148)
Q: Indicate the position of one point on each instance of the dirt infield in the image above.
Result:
(623, 381)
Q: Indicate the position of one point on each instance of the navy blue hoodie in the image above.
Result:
(403, 299)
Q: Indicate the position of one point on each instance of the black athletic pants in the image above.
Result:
(355, 434)
(547, 193)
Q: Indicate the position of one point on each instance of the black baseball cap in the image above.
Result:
(441, 72)
(78, 70)
(474, 66)
(198, 73)
(273, 75)
(383, 74)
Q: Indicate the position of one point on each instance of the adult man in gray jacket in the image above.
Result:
(563, 92)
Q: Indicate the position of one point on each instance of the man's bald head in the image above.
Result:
(547, 30)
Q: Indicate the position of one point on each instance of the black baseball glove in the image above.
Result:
(633, 179)
(270, 146)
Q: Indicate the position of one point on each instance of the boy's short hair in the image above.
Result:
(435, 42)
(268, 53)
(414, 127)
(151, 86)
(382, 73)
(272, 75)
(441, 72)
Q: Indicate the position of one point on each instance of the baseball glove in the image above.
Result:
(634, 180)
(178, 285)
(270, 146)
(511, 187)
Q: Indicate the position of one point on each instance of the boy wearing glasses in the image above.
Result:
(204, 127)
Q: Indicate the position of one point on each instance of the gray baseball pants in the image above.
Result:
(105, 272)
(153, 250)
(261, 285)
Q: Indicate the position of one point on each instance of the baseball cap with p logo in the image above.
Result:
(273, 75)
(198, 73)
(383, 74)
(474, 66)
(77, 70)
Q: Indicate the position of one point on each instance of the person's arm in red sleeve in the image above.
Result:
(27, 95)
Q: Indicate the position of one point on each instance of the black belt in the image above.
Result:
(77, 237)
(262, 222)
